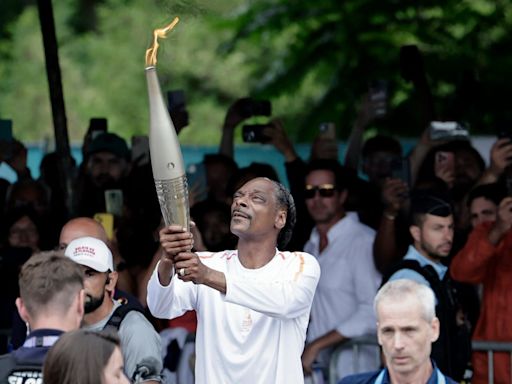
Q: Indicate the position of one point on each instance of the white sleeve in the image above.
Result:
(287, 296)
(170, 301)
(365, 280)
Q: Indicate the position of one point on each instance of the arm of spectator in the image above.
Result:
(234, 116)
(365, 282)
(280, 140)
(141, 348)
(385, 250)
(355, 141)
(419, 153)
(18, 160)
(312, 350)
(471, 263)
(501, 158)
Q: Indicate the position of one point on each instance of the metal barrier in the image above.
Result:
(490, 347)
(354, 343)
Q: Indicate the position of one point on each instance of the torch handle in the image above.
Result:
(173, 198)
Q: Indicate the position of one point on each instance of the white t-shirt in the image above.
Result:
(254, 333)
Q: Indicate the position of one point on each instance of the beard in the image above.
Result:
(93, 303)
(433, 252)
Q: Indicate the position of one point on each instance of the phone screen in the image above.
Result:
(327, 131)
(114, 201)
(445, 161)
(107, 222)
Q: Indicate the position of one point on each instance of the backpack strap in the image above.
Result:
(427, 271)
(119, 314)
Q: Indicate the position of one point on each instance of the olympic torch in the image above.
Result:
(165, 151)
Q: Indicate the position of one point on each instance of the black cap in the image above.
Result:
(431, 203)
(109, 142)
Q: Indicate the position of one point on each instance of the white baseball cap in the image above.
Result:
(91, 252)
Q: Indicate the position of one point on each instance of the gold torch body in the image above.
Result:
(166, 158)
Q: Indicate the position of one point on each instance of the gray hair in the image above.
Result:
(396, 290)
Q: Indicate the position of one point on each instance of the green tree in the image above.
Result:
(342, 45)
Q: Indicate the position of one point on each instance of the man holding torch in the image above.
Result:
(253, 303)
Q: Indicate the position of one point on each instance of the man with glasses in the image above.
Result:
(342, 307)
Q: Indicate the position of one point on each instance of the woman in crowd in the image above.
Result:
(85, 357)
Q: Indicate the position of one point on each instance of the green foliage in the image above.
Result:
(103, 68)
(345, 44)
(312, 59)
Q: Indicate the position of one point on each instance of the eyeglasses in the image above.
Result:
(325, 190)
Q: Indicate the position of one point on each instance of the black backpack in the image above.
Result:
(452, 350)
(17, 372)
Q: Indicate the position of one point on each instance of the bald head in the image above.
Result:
(81, 227)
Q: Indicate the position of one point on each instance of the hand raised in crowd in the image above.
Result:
(503, 220)
(280, 140)
(324, 148)
(445, 170)
(368, 110)
(501, 156)
(15, 154)
(235, 114)
(394, 195)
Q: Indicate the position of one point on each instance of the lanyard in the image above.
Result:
(440, 377)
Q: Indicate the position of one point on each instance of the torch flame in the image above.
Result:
(162, 33)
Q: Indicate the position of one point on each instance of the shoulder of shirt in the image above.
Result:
(135, 319)
(363, 231)
(406, 273)
(360, 378)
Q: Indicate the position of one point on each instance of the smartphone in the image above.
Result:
(400, 169)
(6, 130)
(448, 130)
(197, 181)
(327, 131)
(114, 201)
(444, 161)
(107, 222)
(176, 99)
(253, 133)
(97, 126)
(140, 149)
(252, 107)
(504, 132)
(378, 93)
(5, 140)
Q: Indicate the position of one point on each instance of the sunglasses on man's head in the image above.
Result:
(325, 190)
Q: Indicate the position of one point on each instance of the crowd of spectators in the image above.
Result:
(438, 215)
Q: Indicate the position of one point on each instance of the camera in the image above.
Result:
(251, 107)
(447, 130)
(327, 131)
(253, 133)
